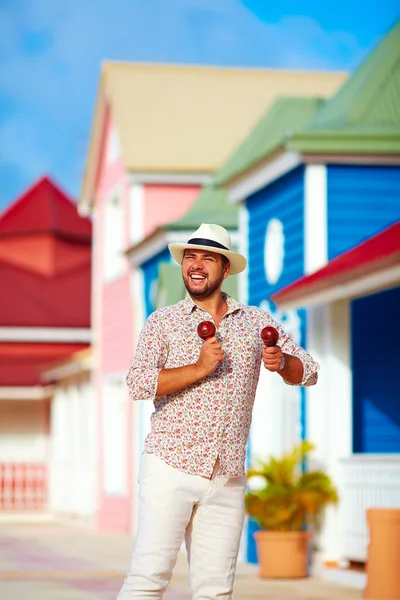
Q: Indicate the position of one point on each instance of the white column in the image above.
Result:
(115, 446)
(139, 413)
(315, 218)
(136, 213)
(317, 324)
(329, 408)
(244, 249)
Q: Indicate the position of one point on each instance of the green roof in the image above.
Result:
(211, 206)
(283, 119)
(170, 286)
(364, 115)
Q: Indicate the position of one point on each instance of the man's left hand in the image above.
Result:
(272, 357)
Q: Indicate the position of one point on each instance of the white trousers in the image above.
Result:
(174, 506)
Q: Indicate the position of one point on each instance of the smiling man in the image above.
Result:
(192, 477)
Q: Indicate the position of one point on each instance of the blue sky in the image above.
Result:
(51, 51)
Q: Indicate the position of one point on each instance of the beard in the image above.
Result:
(206, 290)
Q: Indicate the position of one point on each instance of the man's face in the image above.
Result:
(203, 272)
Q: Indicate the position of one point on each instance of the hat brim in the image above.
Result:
(237, 261)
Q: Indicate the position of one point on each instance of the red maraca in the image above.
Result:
(269, 336)
(206, 330)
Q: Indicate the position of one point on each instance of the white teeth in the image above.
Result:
(197, 276)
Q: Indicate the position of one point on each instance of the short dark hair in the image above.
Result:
(225, 260)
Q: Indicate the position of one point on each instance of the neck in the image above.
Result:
(215, 305)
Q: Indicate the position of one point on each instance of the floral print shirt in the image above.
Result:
(210, 419)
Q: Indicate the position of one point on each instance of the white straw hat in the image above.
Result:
(214, 238)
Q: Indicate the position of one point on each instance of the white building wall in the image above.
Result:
(141, 411)
(329, 407)
(23, 433)
(73, 455)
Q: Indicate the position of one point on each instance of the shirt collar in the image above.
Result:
(189, 305)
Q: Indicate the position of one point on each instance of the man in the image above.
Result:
(192, 478)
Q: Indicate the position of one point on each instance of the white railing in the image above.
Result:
(23, 486)
(368, 481)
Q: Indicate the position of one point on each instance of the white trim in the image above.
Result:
(26, 392)
(113, 234)
(315, 218)
(138, 302)
(329, 409)
(369, 458)
(263, 176)
(135, 447)
(46, 334)
(243, 279)
(113, 146)
(352, 289)
(136, 212)
(69, 369)
(171, 178)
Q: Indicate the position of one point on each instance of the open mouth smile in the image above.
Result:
(197, 277)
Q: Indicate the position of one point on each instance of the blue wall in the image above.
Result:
(362, 200)
(282, 200)
(150, 274)
(376, 382)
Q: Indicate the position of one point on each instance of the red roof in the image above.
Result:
(28, 299)
(45, 261)
(44, 207)
(371, 256)
(45, 274)
(22, 364)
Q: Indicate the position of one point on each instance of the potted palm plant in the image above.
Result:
(288, 508)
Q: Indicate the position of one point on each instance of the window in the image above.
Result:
(113, 238)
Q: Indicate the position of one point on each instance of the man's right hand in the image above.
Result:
(178, 378)
(211, 355)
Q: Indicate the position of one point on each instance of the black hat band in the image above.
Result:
(205, 242)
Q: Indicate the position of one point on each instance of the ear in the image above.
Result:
(227, 268)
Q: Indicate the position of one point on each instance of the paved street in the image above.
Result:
(61, 562)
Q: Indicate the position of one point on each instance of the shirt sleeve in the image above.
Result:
(150, 358)
(310, 366)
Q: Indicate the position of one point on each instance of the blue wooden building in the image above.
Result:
(316, 178)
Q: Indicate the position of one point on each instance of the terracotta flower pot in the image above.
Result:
(383, 559)
(282, 554)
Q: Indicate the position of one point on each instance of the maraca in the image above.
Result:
(206, 330)
(269, 336)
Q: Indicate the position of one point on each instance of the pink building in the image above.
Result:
(158, 134)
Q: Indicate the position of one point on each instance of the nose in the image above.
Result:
(197, 263)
